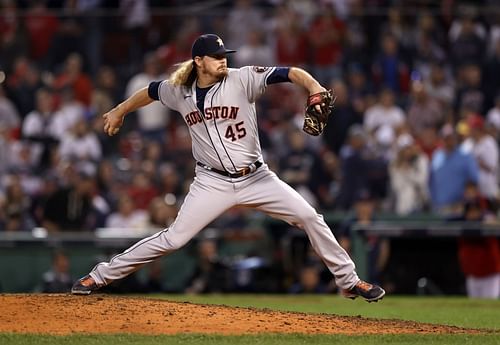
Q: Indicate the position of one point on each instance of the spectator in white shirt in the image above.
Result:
(9, 117)
(255, 52)
(38, 127)
(382, 119)
(485, 150)
(128, 218)
(409, 173)
(153, 118)
(68, 114)
(80, 144)
(493, 117)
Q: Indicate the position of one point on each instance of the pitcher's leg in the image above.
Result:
(279, 200)
(201, 206)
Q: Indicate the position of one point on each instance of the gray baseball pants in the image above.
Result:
(210, 195)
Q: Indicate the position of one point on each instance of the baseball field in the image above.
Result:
(245, 319)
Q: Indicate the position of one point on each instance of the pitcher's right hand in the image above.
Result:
(113, 120)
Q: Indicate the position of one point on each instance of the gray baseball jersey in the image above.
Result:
(227, 137)
(225, 140)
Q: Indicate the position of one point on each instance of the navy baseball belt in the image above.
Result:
(245, 171)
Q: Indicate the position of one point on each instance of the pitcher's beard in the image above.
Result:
(222, 73)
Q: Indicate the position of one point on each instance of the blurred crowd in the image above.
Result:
(415, 128)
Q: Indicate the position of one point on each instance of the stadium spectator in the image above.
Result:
(423, 111)
(361, 169)
(382, 121)
(75, 78)
(378, 249)
(484, 148)
(466, 40)
(296, 165)
(23, 83)
(58, 278)
(384, 114)
(451, 170)
(470, 95)
(211, 274)
(389, 70)
(309, 282)
(9, 117)
(17, 206)
(13, 42)
(440, 85)
(105, 93)
(41, 26)
(479, 257)
(68, 114)
(291, 41)
(243, 18)
(161, 214)
(128, 219)
(152, 119)
(491, 70)
(345, 116)
(409, 173)
(325, 36)
(142, 190)
(493, 118)
(360, 91)
(255, 51)
(70, 208)
(136, 18)
(80, 144)
(325, 179)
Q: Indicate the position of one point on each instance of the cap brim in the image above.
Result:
(223, 50)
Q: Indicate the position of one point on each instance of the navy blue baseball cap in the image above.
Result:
(209, 44)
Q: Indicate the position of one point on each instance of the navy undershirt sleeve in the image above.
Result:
(153, 90)
(279, 75)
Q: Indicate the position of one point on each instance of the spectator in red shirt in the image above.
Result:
(479, 257)
(142, 191)
(41, 26)
(13, 41)
(291, 41)
(74, 77)
(325, 38)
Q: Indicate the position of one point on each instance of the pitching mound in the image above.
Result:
(66, 314)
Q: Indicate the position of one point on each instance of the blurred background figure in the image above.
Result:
(479, 257)
(211, 275)
(451, 170)
(409, 175)
(152, 119)
(309, 282)
(58, 278)
(484, 148)
(128, 219)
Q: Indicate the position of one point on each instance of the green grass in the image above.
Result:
(273, 339)
(450, 311)
(455, 311)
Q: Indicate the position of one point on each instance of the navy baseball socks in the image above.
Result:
(84, 286)
(370, 292)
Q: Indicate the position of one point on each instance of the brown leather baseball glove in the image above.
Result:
(318, 108)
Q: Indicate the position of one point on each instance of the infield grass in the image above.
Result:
(273, 339)
(455, 311)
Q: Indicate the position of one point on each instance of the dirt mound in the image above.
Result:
(66, 314)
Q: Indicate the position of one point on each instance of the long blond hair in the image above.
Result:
(184, 75)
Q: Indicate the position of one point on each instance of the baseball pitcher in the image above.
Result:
(218, 106)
